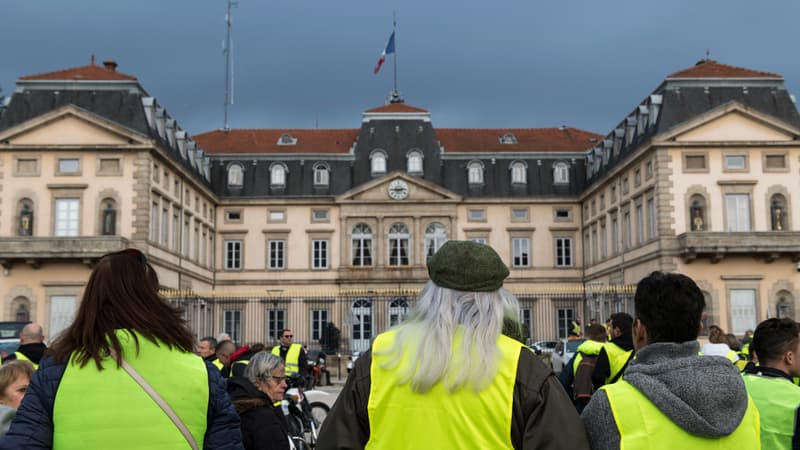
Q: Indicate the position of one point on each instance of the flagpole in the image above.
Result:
(394, 31)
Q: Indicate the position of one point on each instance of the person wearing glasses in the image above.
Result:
(257, 396)
(454, 374)
(292, 354)
(124, 374)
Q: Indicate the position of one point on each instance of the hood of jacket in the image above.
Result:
(703, 395)
(245, 395)
(625, 341)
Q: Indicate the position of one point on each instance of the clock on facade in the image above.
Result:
(398, 189)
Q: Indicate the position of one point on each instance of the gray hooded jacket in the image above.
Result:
(704, 395)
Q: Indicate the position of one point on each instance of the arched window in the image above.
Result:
(475, 172)
(697, 213)
(361, 247)
(778, 212)
(25, 217)
(784, 305)
(560, 173)
(435, 237)
(108, 217)
(321, 174)
(398, 309)
(361, 316)
(378, 162)
(398, 245)
(508, 138)
(21, 309)
(414, 165)
(277, 175)
(235, 175)
(518, 172)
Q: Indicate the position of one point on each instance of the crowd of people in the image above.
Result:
(128, 374)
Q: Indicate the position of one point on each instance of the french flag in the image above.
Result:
(388, 50)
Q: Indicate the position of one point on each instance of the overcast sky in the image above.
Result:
(476, 64)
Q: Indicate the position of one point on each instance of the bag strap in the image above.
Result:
(159, 400)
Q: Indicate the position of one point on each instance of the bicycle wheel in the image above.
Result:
(295, 424)
(319, 411)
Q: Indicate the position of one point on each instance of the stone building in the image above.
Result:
(327, 231)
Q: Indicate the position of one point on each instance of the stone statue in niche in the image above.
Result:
(777, 216)
(109, 220)
(25, 221)
(697, 213)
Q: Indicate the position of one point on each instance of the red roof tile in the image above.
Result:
(90, 72)
(266, 141)
(528, 139)
(709, 68)
(396, 108)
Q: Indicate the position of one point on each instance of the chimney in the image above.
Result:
(110, 64)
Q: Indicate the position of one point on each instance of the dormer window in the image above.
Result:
(235, 175)
(287, 139)
(518, 172)
(508, 138)
(414, 165)
(277, 175)
(321, 174)
(378, 162)
(560, 173)
(475, 172)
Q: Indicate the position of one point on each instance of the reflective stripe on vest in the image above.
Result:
(108, 409)
(642, 425)
(617, 358)
(22, 357)
(292, 361)
(462, 419)
(588, 348)
(777, 400)
(217, 363)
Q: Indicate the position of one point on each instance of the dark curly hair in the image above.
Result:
(670, 305)
(773, 338)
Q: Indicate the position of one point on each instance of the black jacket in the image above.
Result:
(33, 351)
(263, 424)
(602, 368)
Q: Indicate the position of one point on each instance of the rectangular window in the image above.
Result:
(319, 254)
(613, 194)
(398, 251)
(233, 324)
(595, 253)
(563, 252)
(362, 250)
(637, 177)
(614, 235)
(526, 317)
(319, 317)
(735, 162)
(626, 218)
(69, 165)
(648, 170)
(478, 240)
(519, 214)
(233, 255)
(165, 227)
(565, 317)
(738, 212)
(233, 215)
(743, 310)
(775, 161)
(277, 215)
(521, 252)
(563, 215)
(196, 241)
(603, 241)
(27, 166)
(625, 185)
(186, 228)
(319, 215)
(67, 221)
(694, 162)
(109, 166)
(651, 218)
(277, 255)
(156, 173)
(477, 215)
(276, 322)
(176, 223)
(639, 224)
(62, 312)
(154, 221)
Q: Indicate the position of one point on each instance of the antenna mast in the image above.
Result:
(227, 49)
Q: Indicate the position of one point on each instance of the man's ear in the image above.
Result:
(639, 334)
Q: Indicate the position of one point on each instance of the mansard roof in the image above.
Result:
(91, 72)
(563, 139)
(267, 141)
(708, 68)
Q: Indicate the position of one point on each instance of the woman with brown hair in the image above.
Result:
(124, 374)
(14, 379)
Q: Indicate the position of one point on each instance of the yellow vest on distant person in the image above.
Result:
(292, 362)
(643, 426)
(21, 357)
(777, 400)
(464, 419)
(617, 358)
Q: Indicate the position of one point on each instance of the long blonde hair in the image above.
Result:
(428, 335)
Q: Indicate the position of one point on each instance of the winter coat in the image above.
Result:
(7, 414)
(704, 396)
(33, 426)
(33, 351)
(263, 424)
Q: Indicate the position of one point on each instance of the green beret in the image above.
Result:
(467, 266)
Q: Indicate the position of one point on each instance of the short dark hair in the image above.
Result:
(623, 321)
(212, 342)
(774, 337)
(225, 344)
(280, 333)
(670, 305)
(596, 332)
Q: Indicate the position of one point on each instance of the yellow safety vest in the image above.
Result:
(777, 400)
(22, 357)
(588, 348)
(617, 358)
(108, 409)
(400, 418)
(217, 363)
(642, 425)
(292, 362)
(732, 356)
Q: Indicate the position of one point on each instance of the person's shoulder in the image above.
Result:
(531, 371)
